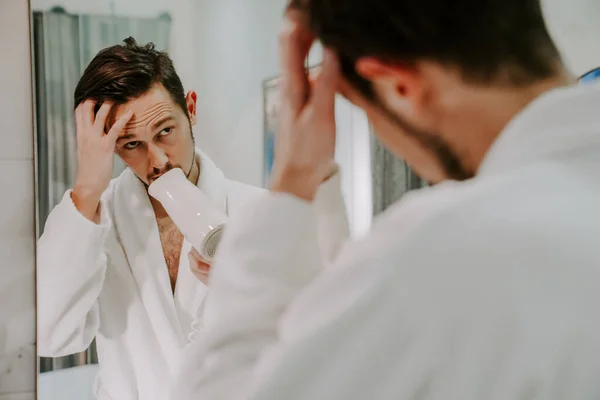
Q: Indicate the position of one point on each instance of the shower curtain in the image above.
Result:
(63, 45)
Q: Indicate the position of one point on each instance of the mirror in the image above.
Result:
(117, 299)
(115, 285)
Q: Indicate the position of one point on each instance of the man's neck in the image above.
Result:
(195, 171)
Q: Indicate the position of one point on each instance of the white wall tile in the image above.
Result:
(17, 296)
(17, 235)
(18, 258)
(18, 396)
(17, 314)
(16, 198)
(15, 81)
(17, 373)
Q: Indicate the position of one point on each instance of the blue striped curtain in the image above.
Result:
(391, 177)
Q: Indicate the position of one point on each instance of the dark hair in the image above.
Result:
(488, 41)
(124, 72)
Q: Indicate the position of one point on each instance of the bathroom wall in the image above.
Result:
(575, 28)
(17, 246)
(237, 49)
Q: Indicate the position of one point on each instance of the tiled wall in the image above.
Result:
(17, 236)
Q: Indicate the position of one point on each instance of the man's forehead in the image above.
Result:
(155, 99)
(143, 112)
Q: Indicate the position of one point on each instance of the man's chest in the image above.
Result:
(171, 241)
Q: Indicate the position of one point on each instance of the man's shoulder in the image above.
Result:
(487, 215)
(423, 207)
(116, 181)
(242, 189)
(117, 184)
(239, 193)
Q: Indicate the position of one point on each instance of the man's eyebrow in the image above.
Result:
(125, 137)
(162, 120)
(155, 125)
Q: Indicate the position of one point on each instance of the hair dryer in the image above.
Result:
(192, 211)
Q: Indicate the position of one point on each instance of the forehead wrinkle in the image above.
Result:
(150, 115)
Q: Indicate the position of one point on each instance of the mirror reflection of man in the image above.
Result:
(111, 263)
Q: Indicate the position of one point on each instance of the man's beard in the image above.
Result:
(447, 157)
(156, 173)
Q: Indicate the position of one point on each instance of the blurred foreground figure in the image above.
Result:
(483, 286)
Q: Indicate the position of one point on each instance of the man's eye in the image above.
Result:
(131, 145)
(166, 131)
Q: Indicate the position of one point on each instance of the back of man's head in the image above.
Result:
(488, 41)
(127, 71)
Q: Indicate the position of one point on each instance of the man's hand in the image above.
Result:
(95, 150)
(198, 266)
(305, 144)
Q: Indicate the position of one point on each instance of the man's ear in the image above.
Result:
(190, 100)
(401, 84)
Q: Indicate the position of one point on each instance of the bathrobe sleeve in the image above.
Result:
(71, 265)
(330, 226)
(267, 258)
(433, 304)
(333, 229)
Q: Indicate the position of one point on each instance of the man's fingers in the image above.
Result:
(295, 43)
(196, 253)
(87, 114)
(79, 120)
(200, 269)
(325, 86)
(197, 264)
(119, 126)
(101, 116)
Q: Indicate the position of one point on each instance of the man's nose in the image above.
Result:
(158, 157)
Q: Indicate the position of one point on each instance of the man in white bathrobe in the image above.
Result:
(111, 263)
(484, 286)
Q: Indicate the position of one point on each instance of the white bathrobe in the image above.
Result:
(110, 281)
(483, 289)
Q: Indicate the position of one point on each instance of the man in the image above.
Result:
(484, 286)
(111, 263)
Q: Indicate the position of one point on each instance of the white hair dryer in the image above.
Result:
(192, 211)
